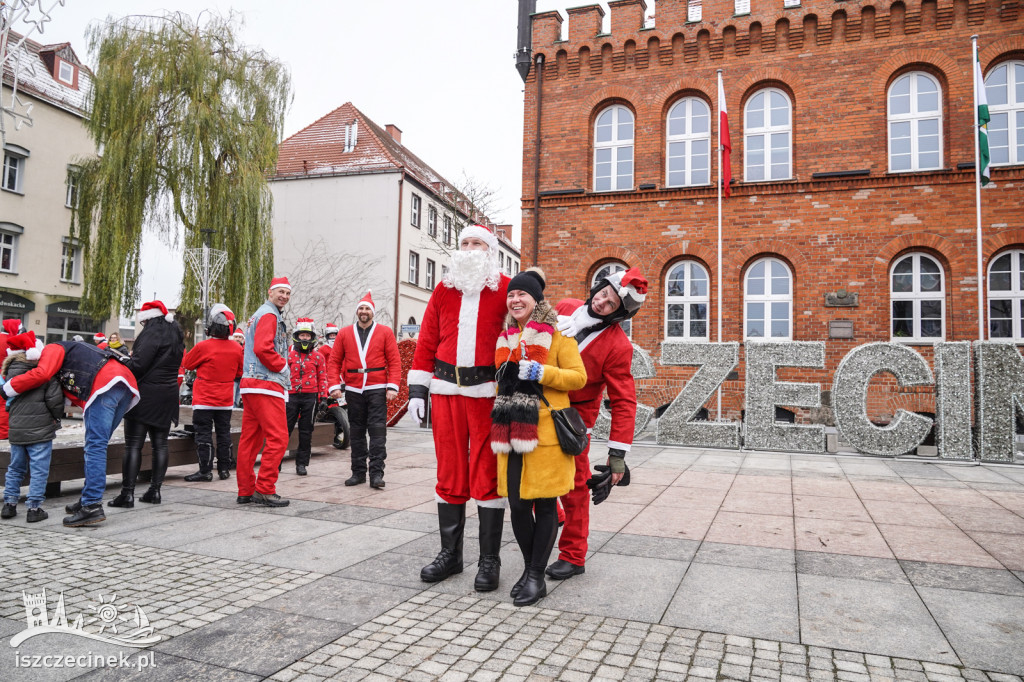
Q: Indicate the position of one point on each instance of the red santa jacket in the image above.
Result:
(608, 357)
(50, 361)
(309, 372)
(348, 356)
(217, 363)
(324, 349)
(459, 330)
(3, 412)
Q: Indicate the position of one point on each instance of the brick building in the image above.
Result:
(853, 199)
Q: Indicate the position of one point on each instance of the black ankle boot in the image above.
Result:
(151, 496)
(199, 476)
(518, 587)
(451, 521)
(489, 567)
(533, 590)
(125, 499)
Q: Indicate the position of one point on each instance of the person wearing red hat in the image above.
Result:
(100, 340)
(105, 390)
(309, 383)
(366, 364)
(608, 357)
(10, 327)
(454, 362)
(264, 390)
(34, 419)
(217, 362)
(333, 407)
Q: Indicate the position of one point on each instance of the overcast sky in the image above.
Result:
(441, 71)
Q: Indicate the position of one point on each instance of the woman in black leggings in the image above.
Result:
(155, 359)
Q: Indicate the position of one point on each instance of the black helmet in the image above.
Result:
(304, 326)
(221, 323)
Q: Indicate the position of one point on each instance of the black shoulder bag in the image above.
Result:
(569, 427)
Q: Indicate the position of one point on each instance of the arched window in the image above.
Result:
(918, 295)
(686, 302)
(768, 301)
(915, 123)
(1004, 89)
(613, 149)
(688, 136)
(1006, 296)
(604, 271)
(768, 137)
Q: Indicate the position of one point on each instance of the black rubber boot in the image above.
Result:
(204, 451)
(489, 566)
(534, 588)
(451, 521)
(159, 441)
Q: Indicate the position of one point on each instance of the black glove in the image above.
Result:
(600, 483)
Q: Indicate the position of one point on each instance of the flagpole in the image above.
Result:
(977, 186)
(719, 268)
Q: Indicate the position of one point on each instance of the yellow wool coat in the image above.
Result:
(547, 471)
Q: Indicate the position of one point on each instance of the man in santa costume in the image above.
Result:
(264, 389)
(608, 357)
(11, 327)
(330, 334)
(309, 383)
(217, 362)
(105, 389)
(100, 340)
(454, 361)
(365, 362)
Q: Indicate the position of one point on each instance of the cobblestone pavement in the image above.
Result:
(711, 565)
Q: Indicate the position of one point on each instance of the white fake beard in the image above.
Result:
(471, 271)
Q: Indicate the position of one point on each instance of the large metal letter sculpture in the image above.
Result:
(641, 368)
(850, 392)
(715, 361)
(953, 400)
(764, 393)
(999, 395)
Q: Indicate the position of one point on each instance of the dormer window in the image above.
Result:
(66, 72)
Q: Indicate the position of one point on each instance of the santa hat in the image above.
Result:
(221, 309)
(367, 300)
(13, 326)
(239, 333)
(304, 324)
(154, 309)
(330, 328)
(279, 283)
(26, 343)
(480, 232)
(98, 337)
(631, 287)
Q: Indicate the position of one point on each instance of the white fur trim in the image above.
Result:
(337, 387)
(524, 446)
(441, 387)
(393, 387)
(264, 391)
(114, 382)
(469, 311)
(212, 407)
(144, 315)
(169, 317)
(9, 390)
(34, 353)
(591, 337)
(500, 448)
(496, 503)
(480, 233)
(419, 377)
(616, 445)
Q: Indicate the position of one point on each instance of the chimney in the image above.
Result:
(395, 132)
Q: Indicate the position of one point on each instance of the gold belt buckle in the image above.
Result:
(458, 379)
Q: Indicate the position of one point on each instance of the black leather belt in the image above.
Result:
(365, 370)
(463, 376)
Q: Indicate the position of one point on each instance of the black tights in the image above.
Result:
(135, 433)
(534, 522)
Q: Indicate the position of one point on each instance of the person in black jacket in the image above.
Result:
(34, 419)
(155, 359)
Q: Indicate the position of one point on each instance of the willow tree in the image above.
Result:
(187, 121)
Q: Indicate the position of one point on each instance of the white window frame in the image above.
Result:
(916, 296)
(618, 148)
(1012, 110)
(430, 274)
(1015, 295)
(687, 139)
(915, 118)
(71, 194)
(9, 242)
(610, 268)
(448, 230)
(70, 248)
(742, 7)
(693, 10)
(767, 299)
(414, 268)
(686, 299)
(432, 221)
(416, 206)
(13, 160)
(70, 80)
(767, 132)
(790, 3)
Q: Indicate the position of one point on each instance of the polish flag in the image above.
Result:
(723, 138)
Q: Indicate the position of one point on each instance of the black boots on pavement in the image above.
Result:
(451, 521)
(489, 566)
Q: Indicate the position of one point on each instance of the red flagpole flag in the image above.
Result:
(723, 137)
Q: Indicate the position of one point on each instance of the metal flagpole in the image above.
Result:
(719, 269)
(977, 187)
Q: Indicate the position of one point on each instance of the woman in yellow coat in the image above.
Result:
(533, 357)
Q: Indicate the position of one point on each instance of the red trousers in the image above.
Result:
(263, 419)
(466, 465)
(572, 545)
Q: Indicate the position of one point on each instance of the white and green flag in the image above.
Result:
(983, 119)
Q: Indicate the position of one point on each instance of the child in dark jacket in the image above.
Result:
(33, 417)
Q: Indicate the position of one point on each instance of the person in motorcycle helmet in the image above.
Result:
(309, 381)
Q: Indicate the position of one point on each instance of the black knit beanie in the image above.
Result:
(529, 281)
